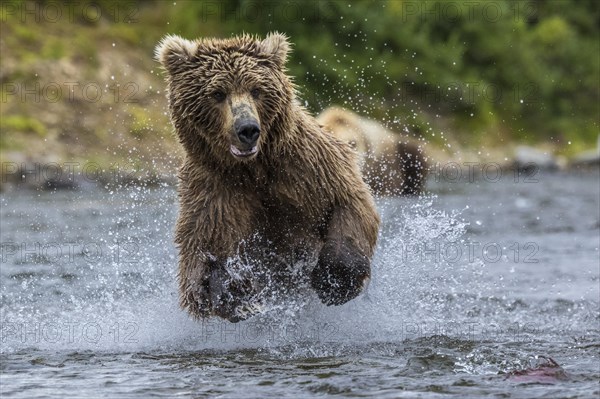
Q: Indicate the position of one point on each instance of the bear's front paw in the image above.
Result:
(232, 297)
(341, 272)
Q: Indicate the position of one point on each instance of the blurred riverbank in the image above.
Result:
(83, 100)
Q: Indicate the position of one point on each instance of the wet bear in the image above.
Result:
(262, 188)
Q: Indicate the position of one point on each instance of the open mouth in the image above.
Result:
(241, 153)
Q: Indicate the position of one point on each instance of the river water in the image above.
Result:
(475, 287)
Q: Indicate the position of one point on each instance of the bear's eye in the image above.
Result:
(255, 93)
(218, 95)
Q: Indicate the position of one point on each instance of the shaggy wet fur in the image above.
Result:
(392, 164)
(299, 198)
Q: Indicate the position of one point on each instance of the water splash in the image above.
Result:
(124, 297)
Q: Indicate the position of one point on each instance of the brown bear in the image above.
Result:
(391, 164)
(262, 188)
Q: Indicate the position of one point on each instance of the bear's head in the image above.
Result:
(346, 126)
(228, 98)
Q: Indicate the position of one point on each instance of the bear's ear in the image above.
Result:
(174, 52)
(276, 46)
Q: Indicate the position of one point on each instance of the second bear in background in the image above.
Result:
(391, 164)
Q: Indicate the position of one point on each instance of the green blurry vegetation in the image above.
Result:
(141, 121)
(481, 73)
(515, 70)
(22, 124)
(19, 124)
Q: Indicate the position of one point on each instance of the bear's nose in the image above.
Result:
(248, 132)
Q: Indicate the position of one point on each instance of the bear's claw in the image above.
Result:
(341, 272)
(232, 298)
(247, 310)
